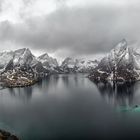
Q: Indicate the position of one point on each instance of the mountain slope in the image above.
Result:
(49, 63)
(5, 58)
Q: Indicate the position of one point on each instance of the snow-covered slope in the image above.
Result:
(121, 64)
(84, 65)
(17, 58)
(78, 65)
(48, 62)
(5, 58)
(23, 57)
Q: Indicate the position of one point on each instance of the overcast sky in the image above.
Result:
(64, 28)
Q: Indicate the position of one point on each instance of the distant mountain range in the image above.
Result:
(121, 64)
(70, 65)
(22, 68)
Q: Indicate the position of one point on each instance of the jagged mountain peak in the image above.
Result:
(69, 62)
(122, 44)
(44, 56)
(23, 56)
(69, 59)
(120, 48)
(22, 50)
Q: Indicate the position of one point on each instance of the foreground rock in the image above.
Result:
(122, 64)
(7, 136)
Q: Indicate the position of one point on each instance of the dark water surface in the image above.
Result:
(71, 107)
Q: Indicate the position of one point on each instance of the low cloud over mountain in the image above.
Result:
(69, 28)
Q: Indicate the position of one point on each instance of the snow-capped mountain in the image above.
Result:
(25, 58)
(16, 58)
(71, 65)
(48, 63)
(121, 64)
(22, 57)
(86, 65)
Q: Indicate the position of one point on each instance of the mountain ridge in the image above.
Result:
(82, 65)
(22, 68)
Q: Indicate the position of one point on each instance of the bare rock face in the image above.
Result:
(49, 63)
(121, 64)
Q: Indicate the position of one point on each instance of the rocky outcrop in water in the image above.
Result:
(7, 136)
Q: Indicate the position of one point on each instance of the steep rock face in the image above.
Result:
(39, 70)
(5, 58)
(49, 63)
(121, 64)
(70, 65)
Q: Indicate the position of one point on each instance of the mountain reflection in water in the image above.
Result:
(117, 94)
(70, 106)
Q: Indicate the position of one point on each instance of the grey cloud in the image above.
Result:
(77, 31)
(1, 1)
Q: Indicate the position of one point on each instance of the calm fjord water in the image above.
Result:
(70, 107)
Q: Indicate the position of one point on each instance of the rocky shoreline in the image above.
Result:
(4, 135)
(16, 84)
